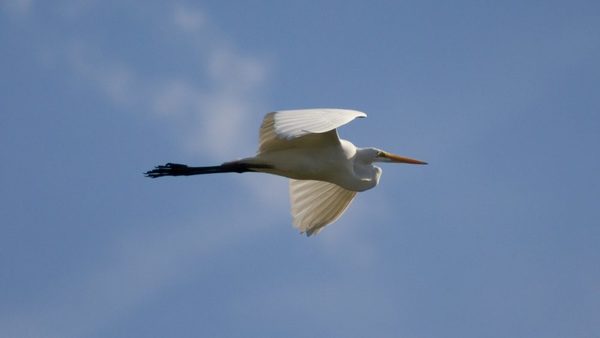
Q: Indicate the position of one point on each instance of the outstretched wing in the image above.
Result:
(316, 204)
(281, 127)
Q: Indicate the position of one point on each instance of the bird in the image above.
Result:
(325, 172)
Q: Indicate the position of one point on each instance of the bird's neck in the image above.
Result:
(367, 177)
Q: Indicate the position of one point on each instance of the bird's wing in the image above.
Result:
(316, 204)
(285, 125)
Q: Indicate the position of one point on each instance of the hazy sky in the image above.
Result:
(498, 237)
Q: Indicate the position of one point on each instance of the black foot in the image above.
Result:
(169, 169)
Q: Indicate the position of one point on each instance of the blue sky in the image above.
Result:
(497, 237)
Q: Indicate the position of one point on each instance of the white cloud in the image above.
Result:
(235, 72)
(175, 98)
(217, 118)
(212, 118)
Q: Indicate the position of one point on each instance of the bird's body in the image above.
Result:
(325, 171)
(332, 163)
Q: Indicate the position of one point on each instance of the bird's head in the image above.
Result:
(371, 155)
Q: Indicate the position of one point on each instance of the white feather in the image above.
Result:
(291, 124)
(316, 204)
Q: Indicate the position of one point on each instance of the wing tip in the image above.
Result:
(311, 231)
(308, 229)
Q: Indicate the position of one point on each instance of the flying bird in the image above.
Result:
(325, 172)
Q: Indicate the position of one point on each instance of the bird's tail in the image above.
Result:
(174, 169)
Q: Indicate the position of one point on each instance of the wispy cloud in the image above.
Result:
(225, 109)
(211, 113)
(137, 269)
(116, 80)
(189, 19)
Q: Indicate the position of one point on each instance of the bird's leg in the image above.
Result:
(176, 169)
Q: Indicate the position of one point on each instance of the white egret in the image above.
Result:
(325, 171)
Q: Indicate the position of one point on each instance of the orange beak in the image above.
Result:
(400, 159)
